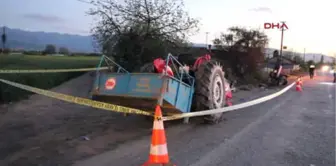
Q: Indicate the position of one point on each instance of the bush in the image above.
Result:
(64, 50)
(85, 54)
(254, 78)
(32, 52)
(39, 80)
(261, 76)
(5, 51)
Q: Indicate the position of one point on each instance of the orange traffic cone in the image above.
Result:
(158, 155)
(228, 97)
(298, 87)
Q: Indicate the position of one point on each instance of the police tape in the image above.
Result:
(230, 108)
(50, 70)
(78, 100)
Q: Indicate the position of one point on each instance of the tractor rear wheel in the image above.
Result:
(209, 90)
(283, 80)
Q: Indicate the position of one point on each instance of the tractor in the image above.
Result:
(177, 88)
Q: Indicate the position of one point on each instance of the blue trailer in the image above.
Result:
(175, 94)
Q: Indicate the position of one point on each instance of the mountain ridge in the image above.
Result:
(37, 40)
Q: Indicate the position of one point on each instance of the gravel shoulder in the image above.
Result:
(45, 131)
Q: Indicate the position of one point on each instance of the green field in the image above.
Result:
(46, 62)
(40, 80)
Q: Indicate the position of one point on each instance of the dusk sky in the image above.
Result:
(310, 22)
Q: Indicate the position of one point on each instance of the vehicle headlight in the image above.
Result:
(325, 68)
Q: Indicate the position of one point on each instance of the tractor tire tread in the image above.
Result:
(202, 99)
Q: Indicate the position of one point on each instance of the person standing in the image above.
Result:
(334, 72)
(311, 71)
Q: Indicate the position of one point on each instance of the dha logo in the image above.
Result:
(268, 25)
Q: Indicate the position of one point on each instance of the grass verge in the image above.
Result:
(39, 80)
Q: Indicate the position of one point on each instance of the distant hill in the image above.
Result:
(17, 38)
(20, 39)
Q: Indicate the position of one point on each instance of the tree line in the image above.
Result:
(51, 49)
(135, 32)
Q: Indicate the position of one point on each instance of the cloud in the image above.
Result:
(43, 18)
(261, 9)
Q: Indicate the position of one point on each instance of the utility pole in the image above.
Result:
(206, 38)
(304, 55)
(281, 45)
(314, 58)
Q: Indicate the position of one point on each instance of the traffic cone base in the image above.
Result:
(228, 97)
(158, 155)
(298, 86)
(169, 164)
(228, 102)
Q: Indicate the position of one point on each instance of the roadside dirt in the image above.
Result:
(48, 132)
(45, 131)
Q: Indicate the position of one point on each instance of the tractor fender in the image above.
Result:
(201, 60)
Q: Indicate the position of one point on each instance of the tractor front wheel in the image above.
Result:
(209, 89)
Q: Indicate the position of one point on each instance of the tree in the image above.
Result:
(131, 30)
(298, 59)
(241, 39)
(276, 53)
(225, 41)
(50, 49)
(288, 55)
(322, 59)
(250, 41)
(64, 50)
(3, 38)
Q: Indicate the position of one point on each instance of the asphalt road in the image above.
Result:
(295, 129)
